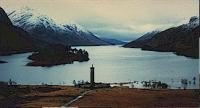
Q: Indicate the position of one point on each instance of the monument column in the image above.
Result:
(92, 83)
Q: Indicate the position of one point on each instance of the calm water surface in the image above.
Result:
(112, 64)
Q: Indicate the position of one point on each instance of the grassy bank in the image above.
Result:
(129, 98)
(117, 97)
(36, 95)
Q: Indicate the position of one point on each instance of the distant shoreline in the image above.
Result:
(2, 61)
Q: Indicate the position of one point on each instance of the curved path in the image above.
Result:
(77, 98)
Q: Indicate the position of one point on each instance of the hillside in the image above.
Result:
(140, 42)
(182, 40)
(13, 39)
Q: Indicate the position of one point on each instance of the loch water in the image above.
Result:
(112, 64)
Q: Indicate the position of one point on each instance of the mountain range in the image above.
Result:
(26, 30)
(44, 28)
(14, 40)
(182, 40)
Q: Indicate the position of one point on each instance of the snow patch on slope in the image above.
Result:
(193, 23)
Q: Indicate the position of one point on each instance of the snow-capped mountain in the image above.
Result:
(44, 28)
(193, 23)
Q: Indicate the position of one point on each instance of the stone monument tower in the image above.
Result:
(92, 83)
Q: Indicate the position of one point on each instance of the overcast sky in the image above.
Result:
(122, 19)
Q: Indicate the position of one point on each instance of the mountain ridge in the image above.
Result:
(141, 40)
(182, 40)
(44, 28)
